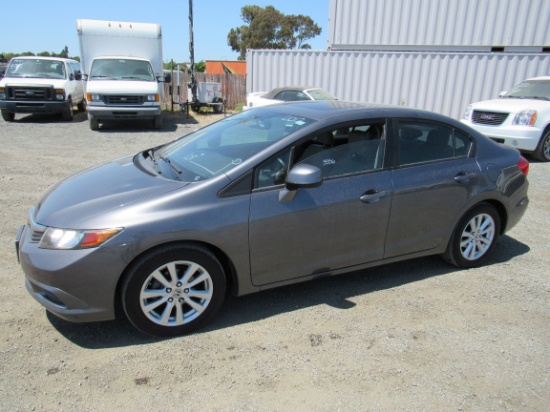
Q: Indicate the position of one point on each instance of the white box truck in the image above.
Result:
(123, 70)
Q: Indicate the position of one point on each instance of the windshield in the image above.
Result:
(531, 89)
(320, 94)
(122, 69)
(223, 145)
(36, 69)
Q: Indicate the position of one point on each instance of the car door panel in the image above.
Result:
(321, 229)
(426, 200)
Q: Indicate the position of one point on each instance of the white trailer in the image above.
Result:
(123, 68)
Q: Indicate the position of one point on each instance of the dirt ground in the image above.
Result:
(419, 335)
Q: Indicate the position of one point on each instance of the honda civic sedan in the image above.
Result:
(268, 197)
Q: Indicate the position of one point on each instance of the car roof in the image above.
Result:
(278, 90)
(45, 58)
(350, 110)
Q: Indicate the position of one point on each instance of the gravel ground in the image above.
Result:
(419, 335)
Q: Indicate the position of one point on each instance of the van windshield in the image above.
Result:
(36, 69)
(122, 69)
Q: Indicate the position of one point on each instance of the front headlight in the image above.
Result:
(153, 97)
(66, 239)
(525, 118)
(2, 93)
(60, 94)
(468, 112)
(92, 97)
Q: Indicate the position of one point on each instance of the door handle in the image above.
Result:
(372, 196)
(464, 176)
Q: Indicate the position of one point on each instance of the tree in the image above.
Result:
(268, 28)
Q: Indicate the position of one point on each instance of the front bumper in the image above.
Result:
(75, 285)
(523, 138)
(122, 112)
(24, 106)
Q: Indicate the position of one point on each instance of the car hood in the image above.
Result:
(31, 81)
(511, 105)
(73, 201)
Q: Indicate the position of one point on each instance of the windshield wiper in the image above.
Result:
(151, 155)
(171, 164)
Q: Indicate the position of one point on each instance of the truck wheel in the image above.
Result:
(68, 113)
(218, 108)
(543, 150)
(8, 116)
(82, 106)
(157, 122)
(94, 123)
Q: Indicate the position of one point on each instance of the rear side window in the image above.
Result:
(421, 142)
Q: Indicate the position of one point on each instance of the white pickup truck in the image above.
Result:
(35, 84)
(520, 118)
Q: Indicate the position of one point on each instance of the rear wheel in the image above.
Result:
(8, 116)
(68, 113)
(543, 150)
(173, 290)
(474, 238)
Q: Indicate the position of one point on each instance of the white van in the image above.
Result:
(123, 69)
(35, 84)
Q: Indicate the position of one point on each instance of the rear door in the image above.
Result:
(434, 178)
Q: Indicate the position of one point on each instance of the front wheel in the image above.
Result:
(68, 113)
(8, 116)
(94, 123)
(474, 238)
(543, 150)
(173, 290)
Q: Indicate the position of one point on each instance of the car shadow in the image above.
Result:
(41, 118)
(335, 291)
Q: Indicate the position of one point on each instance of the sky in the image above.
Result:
(50, 25)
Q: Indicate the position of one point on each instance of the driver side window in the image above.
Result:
(346, 150)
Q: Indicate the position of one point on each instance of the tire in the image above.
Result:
(173, 290)
(68, 113)
(8, 116)
(81, 106)
(543, 149)
(94, 123)
(157, 122)
(474, 237)
(218, 108)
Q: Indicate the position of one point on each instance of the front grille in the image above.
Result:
(489, 118)
(123, 99)
(29, 93)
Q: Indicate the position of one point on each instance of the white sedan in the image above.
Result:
(520, 118)
(286, 94)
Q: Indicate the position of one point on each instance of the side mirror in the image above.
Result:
(71, 76)
(302, 176)
(78, 75)
(167, 78)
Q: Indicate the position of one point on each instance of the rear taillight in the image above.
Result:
(523, 165)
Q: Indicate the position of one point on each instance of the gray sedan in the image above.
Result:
(268, 197)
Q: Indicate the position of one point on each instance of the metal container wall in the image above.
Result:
(466, 25)
(441, 82)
